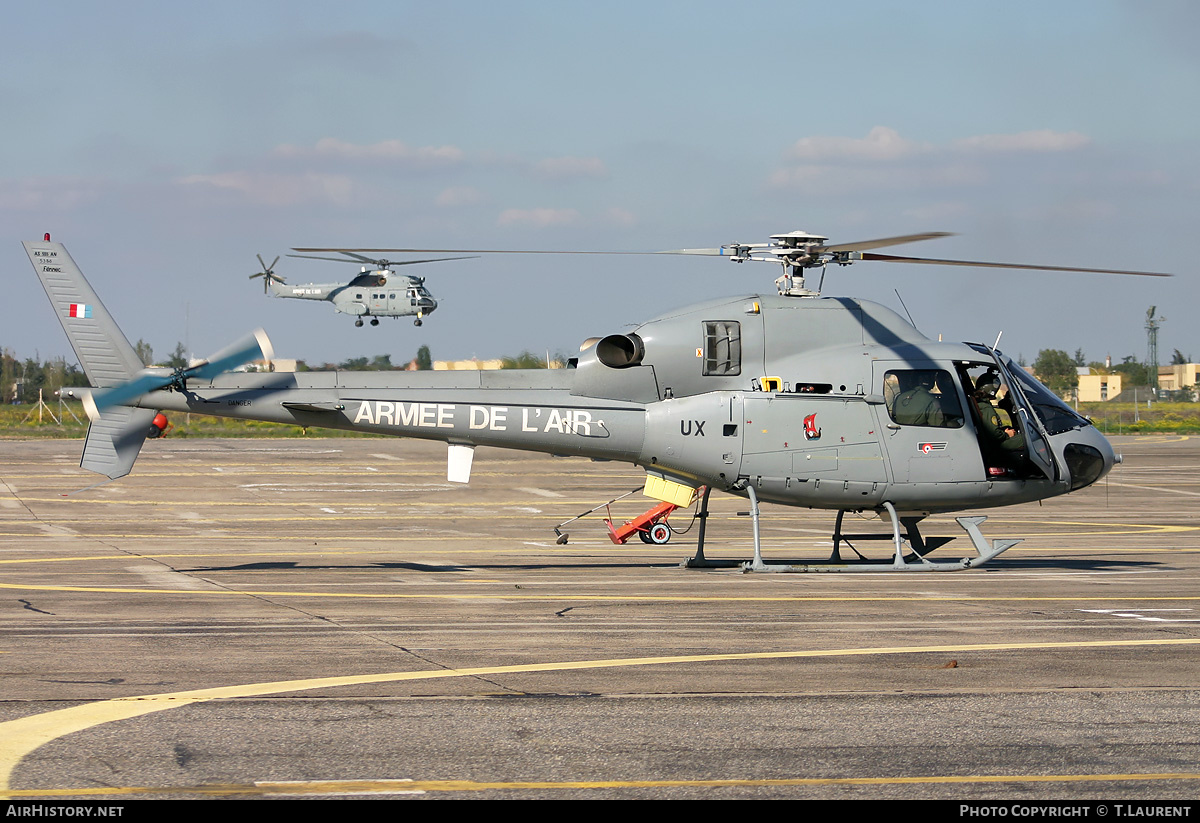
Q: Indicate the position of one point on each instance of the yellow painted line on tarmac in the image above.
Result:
(406, 470)
(341, 788)
(559, 597)
(1098, 530)
(353, 498)
(20, 737)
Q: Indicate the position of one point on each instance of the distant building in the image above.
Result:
(1180, 376)
(467, 365)
(285, 364)
(1097, 387)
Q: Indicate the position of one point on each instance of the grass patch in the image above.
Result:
(21, 423)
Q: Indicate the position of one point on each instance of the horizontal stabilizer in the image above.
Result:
(114, 440)
(318, 406)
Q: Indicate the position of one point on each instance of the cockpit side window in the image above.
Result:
(922, 397)
(722, 348)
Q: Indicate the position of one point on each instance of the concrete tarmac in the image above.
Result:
(330, 617)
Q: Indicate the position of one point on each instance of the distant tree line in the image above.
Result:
(1057, 370)
(20, 380)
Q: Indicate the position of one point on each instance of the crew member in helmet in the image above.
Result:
(1000, 441)
(918, 406)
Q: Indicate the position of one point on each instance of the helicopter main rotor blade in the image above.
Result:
(863, 245)
(431, 260)
(462, 251)
(723, 251)
(888, 258)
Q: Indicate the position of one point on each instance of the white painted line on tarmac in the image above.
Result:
(1155, 489)
(539, 492)
(157, 575)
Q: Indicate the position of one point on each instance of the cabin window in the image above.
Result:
(722, 348)
(922, 397)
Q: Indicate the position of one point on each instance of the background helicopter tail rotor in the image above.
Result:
(268, 273)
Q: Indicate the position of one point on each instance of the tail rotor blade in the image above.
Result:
(119, 395)
(254, 346)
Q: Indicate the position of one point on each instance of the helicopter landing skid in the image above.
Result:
(914, 561)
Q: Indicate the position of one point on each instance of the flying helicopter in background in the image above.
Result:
(792, 398)
(377, 291)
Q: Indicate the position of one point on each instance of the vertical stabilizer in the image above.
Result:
(114, 437)
(106, 356)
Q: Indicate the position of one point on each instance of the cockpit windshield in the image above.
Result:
(1056, 416)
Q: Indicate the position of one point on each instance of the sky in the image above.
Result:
(166, 144)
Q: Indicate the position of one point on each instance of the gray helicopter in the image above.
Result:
(791, 398)
(377, 291)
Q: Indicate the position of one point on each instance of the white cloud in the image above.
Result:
(48, 193)
(279, 189)
(539, 218)
(884, 159)
(620, 217)
(937, 212)
(858, 178)
(1039, 141)
(881, 143)
(569, 167)
(459, 196)
(386, 151)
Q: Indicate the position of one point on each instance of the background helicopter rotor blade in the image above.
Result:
(334, 259)
(431, 260)
(358, 258)
(473, 252)
(888, 258)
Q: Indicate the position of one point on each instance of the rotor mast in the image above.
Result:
(797, 251)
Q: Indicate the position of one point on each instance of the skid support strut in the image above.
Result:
(699, 561)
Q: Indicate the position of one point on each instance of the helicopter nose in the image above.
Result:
(427, 304)
(1088, 456)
